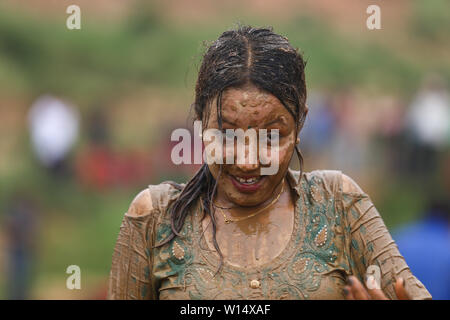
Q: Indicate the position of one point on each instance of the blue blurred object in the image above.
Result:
(426, 247)
(21, 229)
(320, 125)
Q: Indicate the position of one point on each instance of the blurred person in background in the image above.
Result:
(425, 244)
(95, 162)
(349, 144)
(233, 232)
(390, 137)
(163, 166)
(21, 227)
(428, 126)
(53, 125)
(100, 166)
(319, 131)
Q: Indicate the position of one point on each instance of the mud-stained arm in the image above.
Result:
(130, 276)
(371, 244)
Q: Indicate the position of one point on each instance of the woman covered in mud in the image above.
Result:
(232, 232)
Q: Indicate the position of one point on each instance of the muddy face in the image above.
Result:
(243, 108)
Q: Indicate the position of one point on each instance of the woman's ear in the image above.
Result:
(302, 120)
(306, 112)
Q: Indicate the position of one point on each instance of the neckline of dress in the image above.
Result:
(212, 257)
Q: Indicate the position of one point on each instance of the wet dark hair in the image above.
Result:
(245, 55)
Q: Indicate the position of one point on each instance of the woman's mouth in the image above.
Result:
(247, 184)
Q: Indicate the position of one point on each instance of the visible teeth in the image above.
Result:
(247, 181)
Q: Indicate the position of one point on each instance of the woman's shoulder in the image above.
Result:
(323, 185)
(333, 180)
(154, 198)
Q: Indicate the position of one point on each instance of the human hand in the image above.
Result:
(355, 290)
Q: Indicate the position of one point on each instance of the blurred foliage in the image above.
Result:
(106, 59)
(95, 61)
(431, 20)
(40, 55)
(337, 62)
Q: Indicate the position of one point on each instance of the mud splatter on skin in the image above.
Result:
(246, 55)
(265, 235)
(257, 240)
(268, 108)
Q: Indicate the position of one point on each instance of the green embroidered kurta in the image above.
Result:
(335, 234)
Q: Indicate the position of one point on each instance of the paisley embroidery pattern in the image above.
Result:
(331, 239)
(205, 274)
(177, 251)
(297, 273)
(300, 265)
(321, 237)
(315, 194)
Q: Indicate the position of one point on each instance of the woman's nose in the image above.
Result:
(249, 162)
(247, 167)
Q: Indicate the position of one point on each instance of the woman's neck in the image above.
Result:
(224, 204)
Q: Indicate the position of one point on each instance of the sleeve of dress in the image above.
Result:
(130, 276)
(373, 250)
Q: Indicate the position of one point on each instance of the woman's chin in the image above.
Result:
(246, 199)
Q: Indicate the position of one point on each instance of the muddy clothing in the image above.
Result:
(335, 234)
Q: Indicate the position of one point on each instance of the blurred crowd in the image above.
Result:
(358, 132)
(409, 140)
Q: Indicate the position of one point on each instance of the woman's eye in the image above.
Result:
(269, 137)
